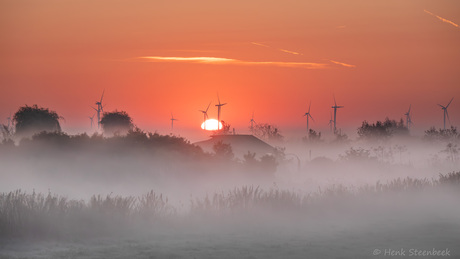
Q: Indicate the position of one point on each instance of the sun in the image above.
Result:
(211, 124)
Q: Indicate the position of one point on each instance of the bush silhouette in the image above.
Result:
(30, 120)
(382, 130)
(116, 123)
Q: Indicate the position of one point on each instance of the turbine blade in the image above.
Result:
(335, 103)
(311, 117)
(208, 106)
(102, 95)
(410, 105)
(448, 117)
(441, 106)
(449, 102)
(218, 99)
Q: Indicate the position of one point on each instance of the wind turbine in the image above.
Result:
(330, 122)
(408, 118)
(444, 108)
(9, 122)
(335, 107)
(100, 108)
(252, 123)
(91, 118)
(172, 121)
(308, 116)
(205, 115)
(219, 106)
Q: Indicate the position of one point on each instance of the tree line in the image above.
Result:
(30, 120)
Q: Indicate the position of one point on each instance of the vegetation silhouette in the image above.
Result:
(313, 137)
(382, 130)
(30, 120)
(442, 134)
(225, 130)
(116, 123)
(223, 151)
(49, 216)
(268, 132)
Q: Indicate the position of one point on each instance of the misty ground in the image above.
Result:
(338, 204)
(355, 230)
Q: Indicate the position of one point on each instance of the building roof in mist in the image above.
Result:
(241, 144)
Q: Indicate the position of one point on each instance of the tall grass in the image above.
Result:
(23, 214)
(47, 215)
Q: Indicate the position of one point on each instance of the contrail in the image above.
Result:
(342, 64)
(440, 18)
(283, 50)
(217, 60)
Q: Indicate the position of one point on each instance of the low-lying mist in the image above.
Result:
(143, 195)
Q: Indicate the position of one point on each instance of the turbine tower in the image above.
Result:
(91, 118)
(9, 122)
(335, 107)
(444, 108)
(219, 106)
(100, 108)
(408, 118)
(330, 122)
(205, 115)
(172, 121)
(252, 123)
(308, 116)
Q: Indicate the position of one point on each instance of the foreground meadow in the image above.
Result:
(406, 215)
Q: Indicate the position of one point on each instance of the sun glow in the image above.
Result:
(211, 124)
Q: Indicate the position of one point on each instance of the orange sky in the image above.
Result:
(377, 57)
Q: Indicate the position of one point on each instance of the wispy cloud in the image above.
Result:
(218, 60)
(260, 44)
(342, 64)
(290, 52)
(283, 50)
(192, 59)
(442, 19)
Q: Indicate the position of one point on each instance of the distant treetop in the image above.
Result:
(382, 130)
(30, 120)
(116, 123)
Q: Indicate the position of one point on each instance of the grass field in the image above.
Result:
(245, 222)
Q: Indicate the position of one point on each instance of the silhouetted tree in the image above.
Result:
(340, 138)
(452, 152)
(268, 132)
(268, 164)
(116, 123)
(442, 134)
(223, 150)
(30, 120)
(250, 159)
(382, 130)
(313, 137)
(357, 155)
(225, 129)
